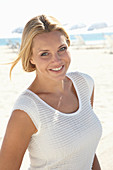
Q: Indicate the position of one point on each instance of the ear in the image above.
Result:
(32, 61)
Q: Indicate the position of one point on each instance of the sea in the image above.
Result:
(87, 37)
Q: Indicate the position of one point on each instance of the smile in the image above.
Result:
(57, 69)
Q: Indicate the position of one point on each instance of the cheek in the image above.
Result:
(41, 64)
(68, 57)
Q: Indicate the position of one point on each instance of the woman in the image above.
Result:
(53, 118)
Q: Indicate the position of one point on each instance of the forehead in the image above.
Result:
(50, 38)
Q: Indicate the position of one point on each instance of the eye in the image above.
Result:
(62, 49)
(45, 54)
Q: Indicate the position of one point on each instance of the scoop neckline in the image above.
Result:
(55, 110)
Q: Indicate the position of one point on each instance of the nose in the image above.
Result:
(56, 57)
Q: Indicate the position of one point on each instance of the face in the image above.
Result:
(50, 55)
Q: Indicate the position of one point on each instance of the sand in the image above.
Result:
(98, 63)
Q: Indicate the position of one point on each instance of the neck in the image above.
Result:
(49, 86)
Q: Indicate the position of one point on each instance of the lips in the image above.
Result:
(57, 68)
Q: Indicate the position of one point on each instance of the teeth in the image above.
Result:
(57, 69)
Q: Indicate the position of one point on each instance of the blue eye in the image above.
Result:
(63, 49)
(44, 54)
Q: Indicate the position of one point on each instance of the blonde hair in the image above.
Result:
(35, 26)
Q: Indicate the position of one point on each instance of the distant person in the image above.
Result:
(53, 118)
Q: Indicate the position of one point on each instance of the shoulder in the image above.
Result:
(22, 123)
(25, 100)
(89, 80)
(87, 77)
(26, 104)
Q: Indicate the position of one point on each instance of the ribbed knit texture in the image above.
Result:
(64, 141)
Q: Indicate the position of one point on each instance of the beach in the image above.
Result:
(98, 63)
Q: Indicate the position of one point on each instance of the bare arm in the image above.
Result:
(96, 165)
(19, 131)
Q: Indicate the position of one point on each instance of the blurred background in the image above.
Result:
(87, 20)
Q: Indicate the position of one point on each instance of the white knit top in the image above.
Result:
(64, 141)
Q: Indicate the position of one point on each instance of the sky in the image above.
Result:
(16, 13)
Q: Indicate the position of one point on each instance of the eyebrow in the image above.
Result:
(48, 50)
(43, 50)
(61, 45)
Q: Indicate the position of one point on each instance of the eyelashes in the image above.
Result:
(45, 54)
(61, 50)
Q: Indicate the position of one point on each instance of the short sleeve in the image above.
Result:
(27, 105)
(90, 82)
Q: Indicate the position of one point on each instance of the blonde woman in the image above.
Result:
(53, 118)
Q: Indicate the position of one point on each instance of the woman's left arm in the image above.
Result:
(96, 165)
